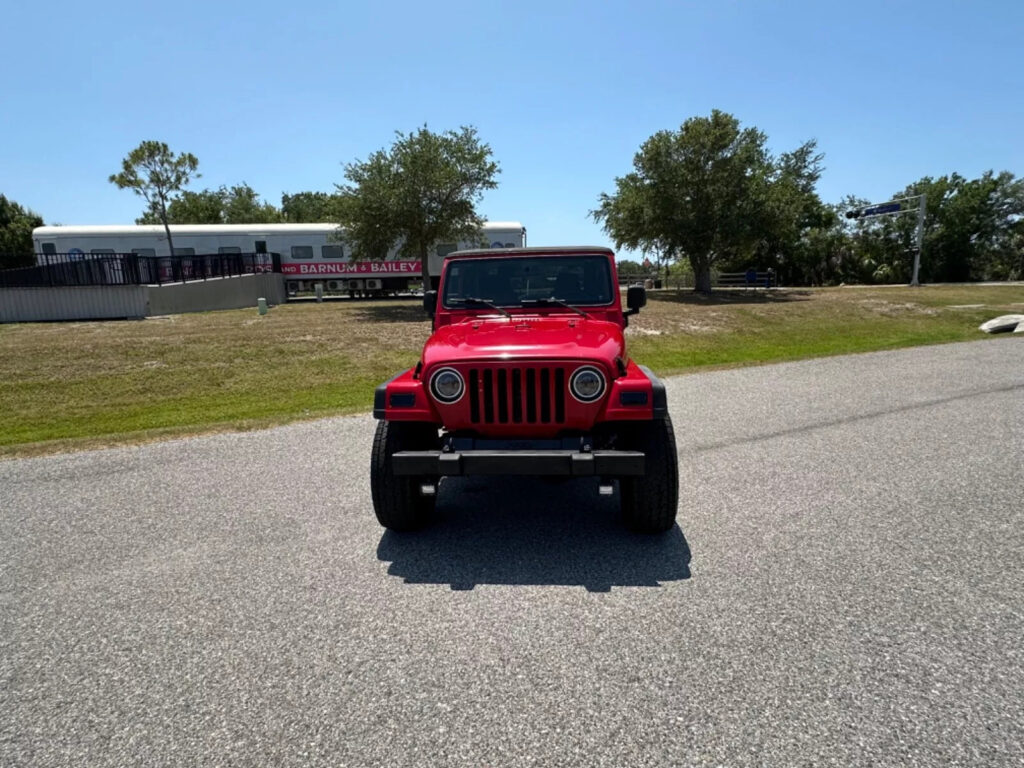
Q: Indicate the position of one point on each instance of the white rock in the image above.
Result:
(1002, 324)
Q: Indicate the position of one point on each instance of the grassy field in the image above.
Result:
(676, 333)
(79, 385)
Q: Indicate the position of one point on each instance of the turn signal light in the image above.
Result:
(632, 398)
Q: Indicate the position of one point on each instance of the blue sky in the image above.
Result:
(280, 95)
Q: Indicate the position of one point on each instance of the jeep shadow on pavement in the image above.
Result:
(526, 374)
(501, 531)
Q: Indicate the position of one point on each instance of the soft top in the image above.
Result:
(546, 250)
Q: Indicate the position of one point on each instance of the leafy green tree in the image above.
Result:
(710, 192)
(243, 206)
(792, 207)
(156, 174)
(1009, 264)
(239, 204)
(421, 191)
(16, 225)
(823, 254)
(203, 207)
(309, 207)
(628, 268)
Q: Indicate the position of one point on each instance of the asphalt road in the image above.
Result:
(845, 587)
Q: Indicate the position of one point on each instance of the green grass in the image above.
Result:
(78, 385)
(676, 333)
(84, 384)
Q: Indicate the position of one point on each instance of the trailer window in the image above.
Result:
(302, 251)
(332, 252)
(184, 251)
(49, 248)
(144, 251)
(229, 249)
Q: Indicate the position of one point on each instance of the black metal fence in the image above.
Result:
(54, 269)
(752, 278)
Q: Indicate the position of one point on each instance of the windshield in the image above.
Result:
(576, 280)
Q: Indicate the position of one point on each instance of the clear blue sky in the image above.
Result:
(280, 95)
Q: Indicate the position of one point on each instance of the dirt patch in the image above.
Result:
(896, 309)
(635, 331)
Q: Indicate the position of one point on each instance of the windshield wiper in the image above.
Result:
(552, 300)
(468, 300)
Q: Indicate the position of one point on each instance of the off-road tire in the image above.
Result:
(397, 500)
(649, 502)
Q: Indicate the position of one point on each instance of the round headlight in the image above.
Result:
(587, 384)
(447, 385)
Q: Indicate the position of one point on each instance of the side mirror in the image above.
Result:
(430, 302)
(636, 297)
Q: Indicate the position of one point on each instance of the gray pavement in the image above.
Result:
(845, 587)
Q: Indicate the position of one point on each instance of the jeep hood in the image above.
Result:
(526, 337)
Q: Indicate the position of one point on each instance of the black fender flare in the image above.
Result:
(380, 396)
(659, 398)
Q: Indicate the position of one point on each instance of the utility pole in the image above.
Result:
(919, 236)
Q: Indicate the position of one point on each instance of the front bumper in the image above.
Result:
(565, 463)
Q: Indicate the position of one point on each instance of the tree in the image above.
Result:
(421, 191)
(243, 206)
(203, 207)
(628, 268)
(239, 204)
(710, 192)
(309, 207)
(156, 174)
(16, 225)
(791, 208)
(824, 253)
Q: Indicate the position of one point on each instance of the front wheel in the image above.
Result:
(649, 502)
(397, 499)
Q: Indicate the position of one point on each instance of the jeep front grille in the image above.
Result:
(517, 395)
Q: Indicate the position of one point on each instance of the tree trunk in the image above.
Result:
(167, 227)
(701, 274)
(170, 242)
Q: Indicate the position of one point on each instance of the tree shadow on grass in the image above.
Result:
(391, 313)
(727, 297)
(511, 531)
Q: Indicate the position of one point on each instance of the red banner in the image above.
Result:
(353, 268)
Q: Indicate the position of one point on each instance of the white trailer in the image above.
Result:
(310, 253)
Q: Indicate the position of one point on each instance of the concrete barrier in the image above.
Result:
(218, 293)
(112, 302)
(92, 302)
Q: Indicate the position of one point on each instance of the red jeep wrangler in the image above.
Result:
(526, 373)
